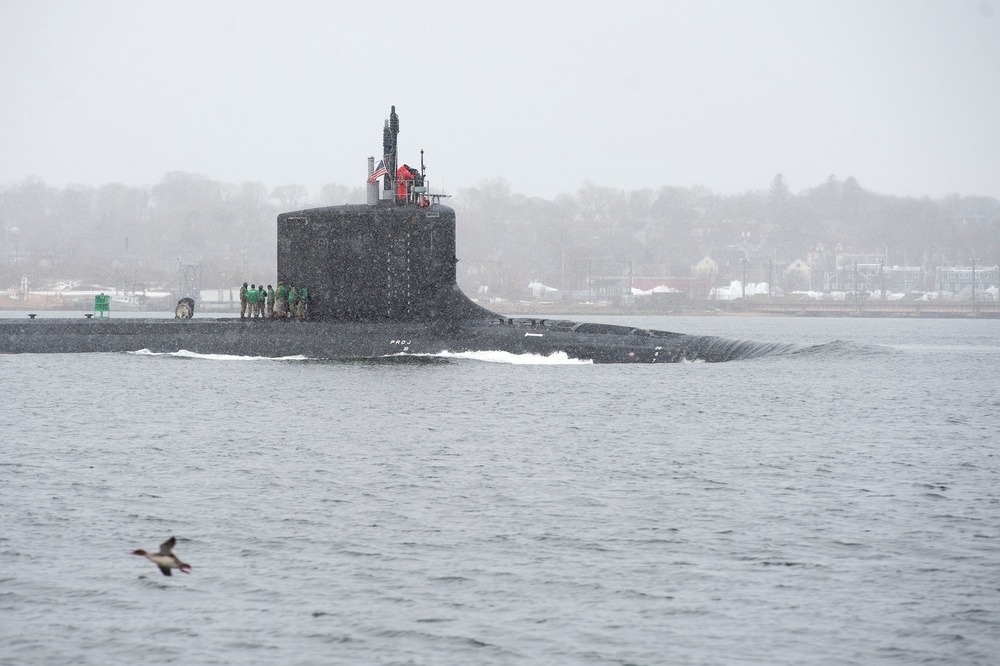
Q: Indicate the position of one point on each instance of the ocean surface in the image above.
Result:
(836, 505)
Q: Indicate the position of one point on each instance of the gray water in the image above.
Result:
(838, 505)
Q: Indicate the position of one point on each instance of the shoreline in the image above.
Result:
(750, 308)
(761, 308)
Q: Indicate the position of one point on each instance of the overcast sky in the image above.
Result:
(902, 94)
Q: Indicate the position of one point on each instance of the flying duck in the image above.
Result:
(165, 559)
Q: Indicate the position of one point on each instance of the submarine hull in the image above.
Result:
(598, 343)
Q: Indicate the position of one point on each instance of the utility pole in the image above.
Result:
(973, 285)
(590, 284)
(855, 286)
(743, 284)
(881, 277)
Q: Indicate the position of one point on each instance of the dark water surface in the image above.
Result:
(837, 505)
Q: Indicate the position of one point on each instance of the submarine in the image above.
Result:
(382, 282)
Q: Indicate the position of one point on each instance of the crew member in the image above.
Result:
(243, 301)
(252, 299)
(281, 300)
(404, 175)
(293, 300)
(303, 303)
(261, 299)
(270, 302)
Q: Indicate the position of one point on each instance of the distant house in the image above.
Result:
(797, 275)
(861, 272)
(901, 279)
(876, 276)
(706, 268)
(959, 278)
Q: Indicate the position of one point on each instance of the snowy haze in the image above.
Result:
(903, 95)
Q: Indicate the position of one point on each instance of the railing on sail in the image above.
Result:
(414, 190)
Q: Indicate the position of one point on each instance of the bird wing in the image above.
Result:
(164, 570)
(167, 547)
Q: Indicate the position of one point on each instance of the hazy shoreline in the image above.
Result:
(920, 309)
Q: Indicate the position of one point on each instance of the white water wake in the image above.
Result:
(183, 353)
(555, 358)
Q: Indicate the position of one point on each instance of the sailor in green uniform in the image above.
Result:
(243, 301)
(303, 303)
(270, 302)
(252, 300)
(293, 300)
(261, 300)
(281, 300)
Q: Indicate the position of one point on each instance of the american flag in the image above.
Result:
(380, 170)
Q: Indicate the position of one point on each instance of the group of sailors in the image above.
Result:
(274, 303)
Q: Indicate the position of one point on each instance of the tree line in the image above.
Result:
(506, 240)
(117, 235)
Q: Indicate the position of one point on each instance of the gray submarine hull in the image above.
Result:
(598, 343)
